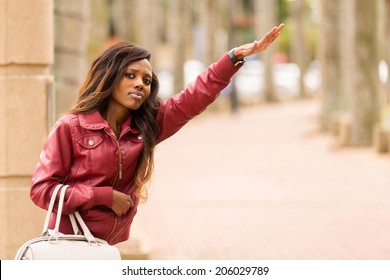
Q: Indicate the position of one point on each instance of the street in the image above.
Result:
(265, 184)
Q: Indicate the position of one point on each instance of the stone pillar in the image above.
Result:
(26, 53)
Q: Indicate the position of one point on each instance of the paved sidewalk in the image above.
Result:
(265, 184)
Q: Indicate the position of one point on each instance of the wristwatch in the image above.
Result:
(234, 60)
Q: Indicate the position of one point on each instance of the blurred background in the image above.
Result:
(291, 162)
(327, 48)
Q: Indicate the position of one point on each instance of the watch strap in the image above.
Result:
(234, 60)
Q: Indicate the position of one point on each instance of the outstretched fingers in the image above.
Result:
(270, 37)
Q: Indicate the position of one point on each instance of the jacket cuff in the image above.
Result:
(224, 68)
(103, 196)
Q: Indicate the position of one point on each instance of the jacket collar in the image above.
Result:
(95, 121)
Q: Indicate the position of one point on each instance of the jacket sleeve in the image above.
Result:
(55, 161)
(177, 110)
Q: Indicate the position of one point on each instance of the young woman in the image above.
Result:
(103, 146)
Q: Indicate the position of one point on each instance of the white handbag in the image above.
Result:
(53, 245)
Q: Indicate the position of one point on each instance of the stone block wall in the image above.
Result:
(26, 111)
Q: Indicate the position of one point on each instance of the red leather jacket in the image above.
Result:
(82, 151)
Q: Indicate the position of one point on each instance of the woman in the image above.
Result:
(103, 147)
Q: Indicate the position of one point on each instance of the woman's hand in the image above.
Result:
(258, 46)
(121, 203)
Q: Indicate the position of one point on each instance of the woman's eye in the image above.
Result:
(129, 75)
(147, 82)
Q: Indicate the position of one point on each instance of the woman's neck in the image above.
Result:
(115, 118)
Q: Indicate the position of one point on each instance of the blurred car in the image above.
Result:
(192, 68)
(165, 78)
(286, 80)
(383, 71)
(312, 78)
(250, 81)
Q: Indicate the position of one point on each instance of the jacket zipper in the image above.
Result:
(113, 229)
(118, 176)
(120, 161)
(120, 166)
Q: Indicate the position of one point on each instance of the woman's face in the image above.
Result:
(134, 87)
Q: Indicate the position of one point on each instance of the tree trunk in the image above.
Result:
(124, 18)
(209, 18)
(365, 111)
(329, 56)
(265, 10)
(232, 9)
(147, 23)
(300, 49)
(384, 55)
(178, 30)
(347, 53)
(387, 57)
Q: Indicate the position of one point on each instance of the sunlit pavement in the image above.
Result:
(265, 184)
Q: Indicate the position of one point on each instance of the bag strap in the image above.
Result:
(56, 229)
(86, 232)
(73, 216)
(75, 228)
(50, 209)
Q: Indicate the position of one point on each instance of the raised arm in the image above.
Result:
(176, 111)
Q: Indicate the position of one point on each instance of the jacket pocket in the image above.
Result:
(136, 138)
(95, 159)
(100, 221)
(90, 141)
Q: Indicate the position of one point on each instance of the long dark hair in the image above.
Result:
(104, 75)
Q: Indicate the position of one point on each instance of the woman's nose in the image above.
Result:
(139, 83)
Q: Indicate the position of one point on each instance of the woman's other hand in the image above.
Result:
(121, 203)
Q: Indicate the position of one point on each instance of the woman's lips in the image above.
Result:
(137, 95)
